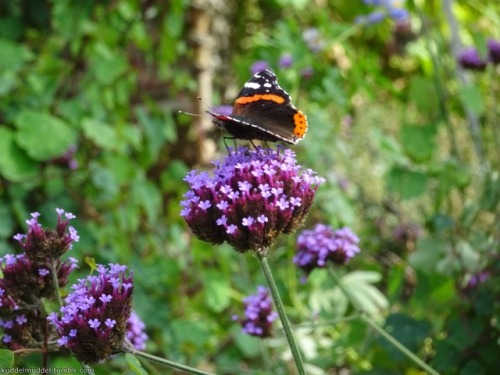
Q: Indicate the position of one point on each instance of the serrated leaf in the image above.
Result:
(102, 134)
(472, 98)
(406, 183)
(422, 92)
(247, 344)
(42, 135)
(427, 254)
(217, 290)
(419, 141)
(13, 55)
(134, 364)
(15, 165)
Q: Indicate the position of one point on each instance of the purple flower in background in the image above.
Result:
(314, 40)
(249, 199)
(67, 159)
(258, 66)
(477, 279)
(393, 9)
(286, 60)
(470, 59)
(307, 72)
(259, 314)
(92, 324)
(135, 332)
(494, 51)
(322, 244)
(224, 110)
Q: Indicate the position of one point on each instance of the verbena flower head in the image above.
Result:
(259, 314)
(40, 244)
(322, 244)
(494, 51)
(249, 199)
(135, 332)
(92, 324)
(27, 279)
(470, 59)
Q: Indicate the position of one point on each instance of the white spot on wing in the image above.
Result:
(267, 85)
(252, 85)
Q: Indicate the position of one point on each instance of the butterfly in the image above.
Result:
(263, 111)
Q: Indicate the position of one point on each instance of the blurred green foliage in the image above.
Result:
(89, 94)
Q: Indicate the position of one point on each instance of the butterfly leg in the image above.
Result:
(228, 149)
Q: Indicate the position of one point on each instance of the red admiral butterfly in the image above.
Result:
(263, 111)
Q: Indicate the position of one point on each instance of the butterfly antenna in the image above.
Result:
(209, 109)
(190, 113)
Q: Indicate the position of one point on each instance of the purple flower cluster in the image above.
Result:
(249, 199)
(285, 61)
(27, 279)
(41, 244)
(314, 40)
(135, 332)
(477, 279)
(67, 159)
(393, 9)
(93, 321)
(470, 58)
(322, 244)
(494, 51)
(259, 314)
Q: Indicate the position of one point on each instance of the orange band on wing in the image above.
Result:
(254, 98)
(300, 121)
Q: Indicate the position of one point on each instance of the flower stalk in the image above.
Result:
(281, 313)
(129, 348)
(372, 323)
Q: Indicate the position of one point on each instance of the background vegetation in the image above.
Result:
(408, 141)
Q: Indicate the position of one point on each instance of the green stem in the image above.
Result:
(367, 319)
(281, 312)
(55, 281)
(128, 348)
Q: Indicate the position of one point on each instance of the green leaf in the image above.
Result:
(217, 290)
(427, 254)
(368, 297)
(15, 165)
(42, 135)
(472, 99)
(407, 184)
(102, 134)
(419, 141)
(147, 195)
(6, 220)
(91, 263)
(408, 331)
(422, 92)
(247, 344)
(6, 359)
(108, 68)
(13, 55)
(134, 364)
